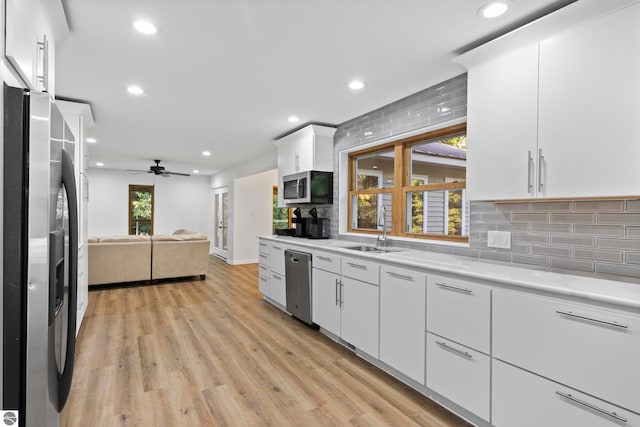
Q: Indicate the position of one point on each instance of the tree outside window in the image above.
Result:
(141, 209)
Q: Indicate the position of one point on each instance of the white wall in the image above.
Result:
(241, 233)
(252, 214)
(180, 202)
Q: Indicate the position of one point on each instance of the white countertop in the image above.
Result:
(618, 292)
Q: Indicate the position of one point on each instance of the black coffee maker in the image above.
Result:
(299, 223)
(319, 227)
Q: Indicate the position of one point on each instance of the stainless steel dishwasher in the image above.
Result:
(298, 283)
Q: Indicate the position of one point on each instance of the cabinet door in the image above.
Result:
(325, 301)
(263, 280)
(589, 104)
(502, 126)
(278, 289)
(522, 399)
(402, 321)
(360, 314)
(277, 258)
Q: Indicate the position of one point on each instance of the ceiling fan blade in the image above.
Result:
(136, 170)
(177, 173)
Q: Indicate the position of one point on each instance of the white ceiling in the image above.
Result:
(224, 75)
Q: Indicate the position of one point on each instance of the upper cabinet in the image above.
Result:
(32, 28)
(558, 118)
(310, 148)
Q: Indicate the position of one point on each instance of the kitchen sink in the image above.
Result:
(372, 249)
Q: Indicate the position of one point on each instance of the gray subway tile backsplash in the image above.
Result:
(581, 235)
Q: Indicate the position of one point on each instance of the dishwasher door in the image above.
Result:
(298, 280)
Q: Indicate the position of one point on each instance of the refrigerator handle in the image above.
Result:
(69, 183)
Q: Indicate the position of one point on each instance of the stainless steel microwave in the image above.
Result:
(308, 187)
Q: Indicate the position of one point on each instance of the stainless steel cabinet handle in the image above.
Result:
(263, 244)
(592, 319)
(529, 162)
(590, 406)
(540, 161)
(360, 266)
(263, 278)
(337, 299)
(341, 286)
(400, 276)
(263, 267)
(323, 258)
(278, 248)
(454, 288)
(275, 276)
(262, 256)
(455, 350)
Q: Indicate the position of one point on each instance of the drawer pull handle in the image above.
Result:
(590, 406)
(454, 288)
(263, 244)
(263, 278)
(276, 277)
(263, 267)
(278, 248)
(323, 258)
(400, 276)
(591, 319)
(455, 350)
(360, 266)
(262, 256)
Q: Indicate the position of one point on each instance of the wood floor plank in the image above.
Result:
(214, 353)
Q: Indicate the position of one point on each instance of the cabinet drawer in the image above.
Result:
(264, 260)
(592, 349)
(326, 261)
(460, 311)
(263, 247)
(523, 399)
(402, 320)
(459, 374)
(263, 283)
(278, 289)
(276, 253)
(360, 269)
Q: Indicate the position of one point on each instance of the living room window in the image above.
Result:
(420, 181)
(141, 209)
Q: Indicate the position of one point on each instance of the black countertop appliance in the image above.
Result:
(300, 224)
(319, 227)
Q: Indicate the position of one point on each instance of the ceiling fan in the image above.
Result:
(159, 170)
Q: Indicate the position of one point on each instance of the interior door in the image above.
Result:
(220, 222)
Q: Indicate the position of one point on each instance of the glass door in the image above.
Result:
(220, 221)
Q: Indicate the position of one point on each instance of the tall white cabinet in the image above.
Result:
(79, 118)
(557, 118)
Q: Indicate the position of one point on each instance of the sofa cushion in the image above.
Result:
(184, 231)
(92, 239)
(164, 238)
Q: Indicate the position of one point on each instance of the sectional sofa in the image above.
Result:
(121, 259)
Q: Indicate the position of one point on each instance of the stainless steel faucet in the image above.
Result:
(382, 238)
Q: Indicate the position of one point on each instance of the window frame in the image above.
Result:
(142, 188)
(402, 172)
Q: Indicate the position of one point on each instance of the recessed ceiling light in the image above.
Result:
(99, 164)
(196, 171)
(92, 140)
(145, 27)
(356, 85)
(206, 153)
(293, 119)
(494, 9)
(368, 133)
(135, 90)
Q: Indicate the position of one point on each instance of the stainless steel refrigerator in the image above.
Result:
(40, 247)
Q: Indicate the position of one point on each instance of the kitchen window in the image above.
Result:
(141, 209)
(420, 181)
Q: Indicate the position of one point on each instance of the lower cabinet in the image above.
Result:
(278, 289)
(325, 300)
(460, 374)
(402, 321)
(263, 281)
(523, 399)
(360, 315)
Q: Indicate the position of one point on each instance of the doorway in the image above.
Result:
(220, 222)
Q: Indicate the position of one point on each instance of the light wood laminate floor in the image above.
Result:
(213, 353)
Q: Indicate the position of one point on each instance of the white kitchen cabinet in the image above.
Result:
(327, 261)
(263, 280)
(402, 321)
(459, 310)
(589, 104)
(361, 269)
(278, 289)
(592, 349)
(360, 315)
(310, 148)
(522, 399)
(558, 118)
(502, 126)
(276, 262)
(32, 29)
(460, 374)
(325, 300)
